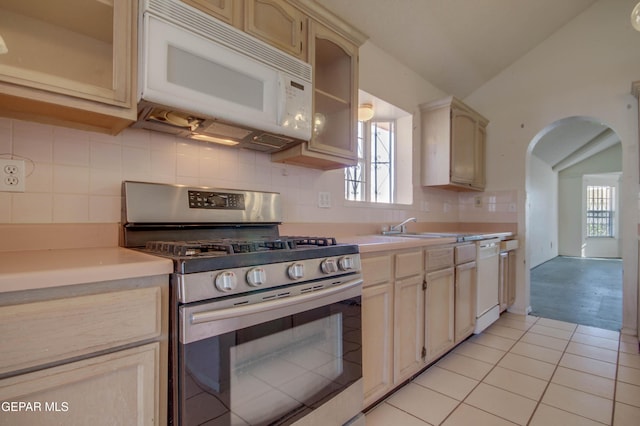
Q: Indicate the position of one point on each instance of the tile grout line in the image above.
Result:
(615, 382)
(558, 365)
(485, 376)
(539, 402)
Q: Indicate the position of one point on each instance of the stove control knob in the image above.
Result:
(256, 277)
(296, 271)
(226, 281)
(346, 263)
(329, 266)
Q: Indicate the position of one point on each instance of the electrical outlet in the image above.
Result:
(12, 176)
(324, 200)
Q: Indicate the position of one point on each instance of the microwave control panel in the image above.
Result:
(295, 110)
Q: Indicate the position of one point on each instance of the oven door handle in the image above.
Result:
(199, 323)
(206, 316)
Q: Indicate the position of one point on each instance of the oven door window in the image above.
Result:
(272, 373)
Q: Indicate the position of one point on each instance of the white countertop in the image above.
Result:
(36, 269)
(374, 243)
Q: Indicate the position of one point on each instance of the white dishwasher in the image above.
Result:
(487, 302)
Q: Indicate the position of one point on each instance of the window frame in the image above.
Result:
(366, 163)
(602, 216)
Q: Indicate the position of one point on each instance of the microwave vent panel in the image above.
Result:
(271, 141)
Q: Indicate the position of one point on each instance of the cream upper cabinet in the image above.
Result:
(229, 11)
(453, 139)
(279, 24)
(69, 62)
(333, 145)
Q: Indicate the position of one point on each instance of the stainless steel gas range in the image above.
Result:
(264, 329)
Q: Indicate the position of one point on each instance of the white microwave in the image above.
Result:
(203, 79)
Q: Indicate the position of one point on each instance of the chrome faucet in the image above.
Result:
(400, 228)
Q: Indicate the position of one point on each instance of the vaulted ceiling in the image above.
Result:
(459, 45)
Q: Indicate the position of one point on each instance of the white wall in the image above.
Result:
(569, 216)
(585, 69)
(571, 201)
(542, 208)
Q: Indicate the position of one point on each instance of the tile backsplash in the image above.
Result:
(75, 176)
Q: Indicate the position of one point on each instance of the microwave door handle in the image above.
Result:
(222, 314)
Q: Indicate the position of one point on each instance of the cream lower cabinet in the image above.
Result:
(465, 300)
(415, 309)
(409, 314)
(377, 327)
(97, 357)
(439, 312)
(507, 274)
(439, 301)
(115, 389)
(465, 288)
(507, 279)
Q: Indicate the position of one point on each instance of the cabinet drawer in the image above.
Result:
(376, 270)
(408, 264)
(465, 253)
(119, 388)
(45, 332)
(438, 258)
(508, 245)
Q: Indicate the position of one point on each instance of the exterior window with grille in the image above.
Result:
(373, 177)
(600, 211)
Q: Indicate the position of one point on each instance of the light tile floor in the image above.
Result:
(524, 370)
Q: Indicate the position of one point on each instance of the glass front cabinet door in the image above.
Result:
(69, 59)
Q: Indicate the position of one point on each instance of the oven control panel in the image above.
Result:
(215, 200)
(196, 287)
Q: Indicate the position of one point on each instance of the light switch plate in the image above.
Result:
(12, 176)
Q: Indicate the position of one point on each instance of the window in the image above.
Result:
(384, 171)
(600, 211)
(372, 179)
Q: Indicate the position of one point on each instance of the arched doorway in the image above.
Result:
(563, 160)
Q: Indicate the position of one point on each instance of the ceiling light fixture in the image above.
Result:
(635, 17)
(365, 112)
